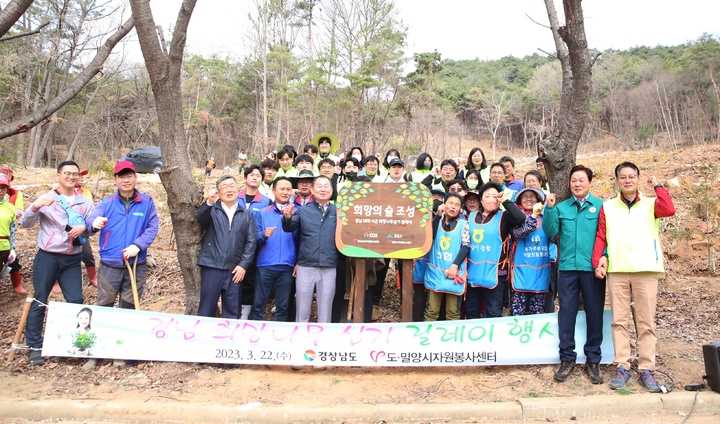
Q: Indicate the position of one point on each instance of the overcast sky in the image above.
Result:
(484, 29)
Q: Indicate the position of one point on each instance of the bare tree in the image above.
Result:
(559, 150)
(46, 110)
(164, 67)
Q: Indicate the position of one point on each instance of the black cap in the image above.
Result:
(396, 161)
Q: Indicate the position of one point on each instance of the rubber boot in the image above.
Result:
(92, 275)
(56, 288)
(17, 283)
(245, 311)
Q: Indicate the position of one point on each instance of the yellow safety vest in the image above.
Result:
(633, 236)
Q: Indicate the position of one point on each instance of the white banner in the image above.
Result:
(93, 331)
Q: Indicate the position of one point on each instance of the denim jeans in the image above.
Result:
(493, 300)
(48, 268)
(267, 280)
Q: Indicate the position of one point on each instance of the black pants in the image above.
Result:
(571, 285)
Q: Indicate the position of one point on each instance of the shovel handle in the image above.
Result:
(133, 281)
(21, 326)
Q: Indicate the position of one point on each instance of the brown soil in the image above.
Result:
(688, 317)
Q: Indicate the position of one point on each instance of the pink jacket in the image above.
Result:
(52, 236)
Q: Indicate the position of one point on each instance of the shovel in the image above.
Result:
(133, 282)
(5, 271)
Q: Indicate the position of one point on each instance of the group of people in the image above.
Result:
(127, 224)
(498, 241)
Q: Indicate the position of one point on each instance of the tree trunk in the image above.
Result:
(12, 12)
(183, 193)
(559, 150)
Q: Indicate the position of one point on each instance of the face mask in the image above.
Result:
(358, 157)
(350, 175)
(427, 165)
(472, 184)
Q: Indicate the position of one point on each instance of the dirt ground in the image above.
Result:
(688, 316)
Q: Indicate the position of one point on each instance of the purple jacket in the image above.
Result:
(52, 236)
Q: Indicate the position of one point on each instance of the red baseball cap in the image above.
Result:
(123, 165)
(4, 180)
(7, 171)
(83, 172)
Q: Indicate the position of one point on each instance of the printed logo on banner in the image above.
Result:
(310, 355)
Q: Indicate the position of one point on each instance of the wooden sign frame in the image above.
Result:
(364, 227)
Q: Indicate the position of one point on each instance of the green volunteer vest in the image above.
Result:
(633, 236)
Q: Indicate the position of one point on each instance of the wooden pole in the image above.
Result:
(133, 283)
(21, 326)
(359, 295)
(407, 289)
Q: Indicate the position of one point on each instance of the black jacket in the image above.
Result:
(224, 247)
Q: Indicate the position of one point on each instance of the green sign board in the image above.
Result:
(390, 220)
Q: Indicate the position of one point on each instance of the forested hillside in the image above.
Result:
(343, 68)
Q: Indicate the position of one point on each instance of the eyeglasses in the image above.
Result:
(71, 174)
(455, 189)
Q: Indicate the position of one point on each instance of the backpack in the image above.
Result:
(74, 218)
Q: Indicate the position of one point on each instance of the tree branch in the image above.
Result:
(25, 34)
(12, 12)
(93, 68)
(177, 45)
(533, 20)
(150, 44)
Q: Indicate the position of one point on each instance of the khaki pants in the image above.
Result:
(434, 301)
(640, 288)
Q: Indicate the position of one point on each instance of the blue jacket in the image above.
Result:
(317, 235)
(137, 224)
(225, 247)
(281, 247)
(258, 203)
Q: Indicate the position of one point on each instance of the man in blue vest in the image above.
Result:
(252, 199)
(128, 223)
(629, 228)
(277, 256)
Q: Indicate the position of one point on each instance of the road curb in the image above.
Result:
(527, 408)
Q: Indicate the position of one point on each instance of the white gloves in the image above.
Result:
(537, 209)
(12, 256)
(130, 251)
(99, 223)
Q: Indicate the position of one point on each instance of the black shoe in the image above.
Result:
(566, 368)
(593, 371)
(36, 358)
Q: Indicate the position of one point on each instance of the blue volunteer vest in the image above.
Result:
(485, 250)
(419, 267)
(445, 248)
(531, 266)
